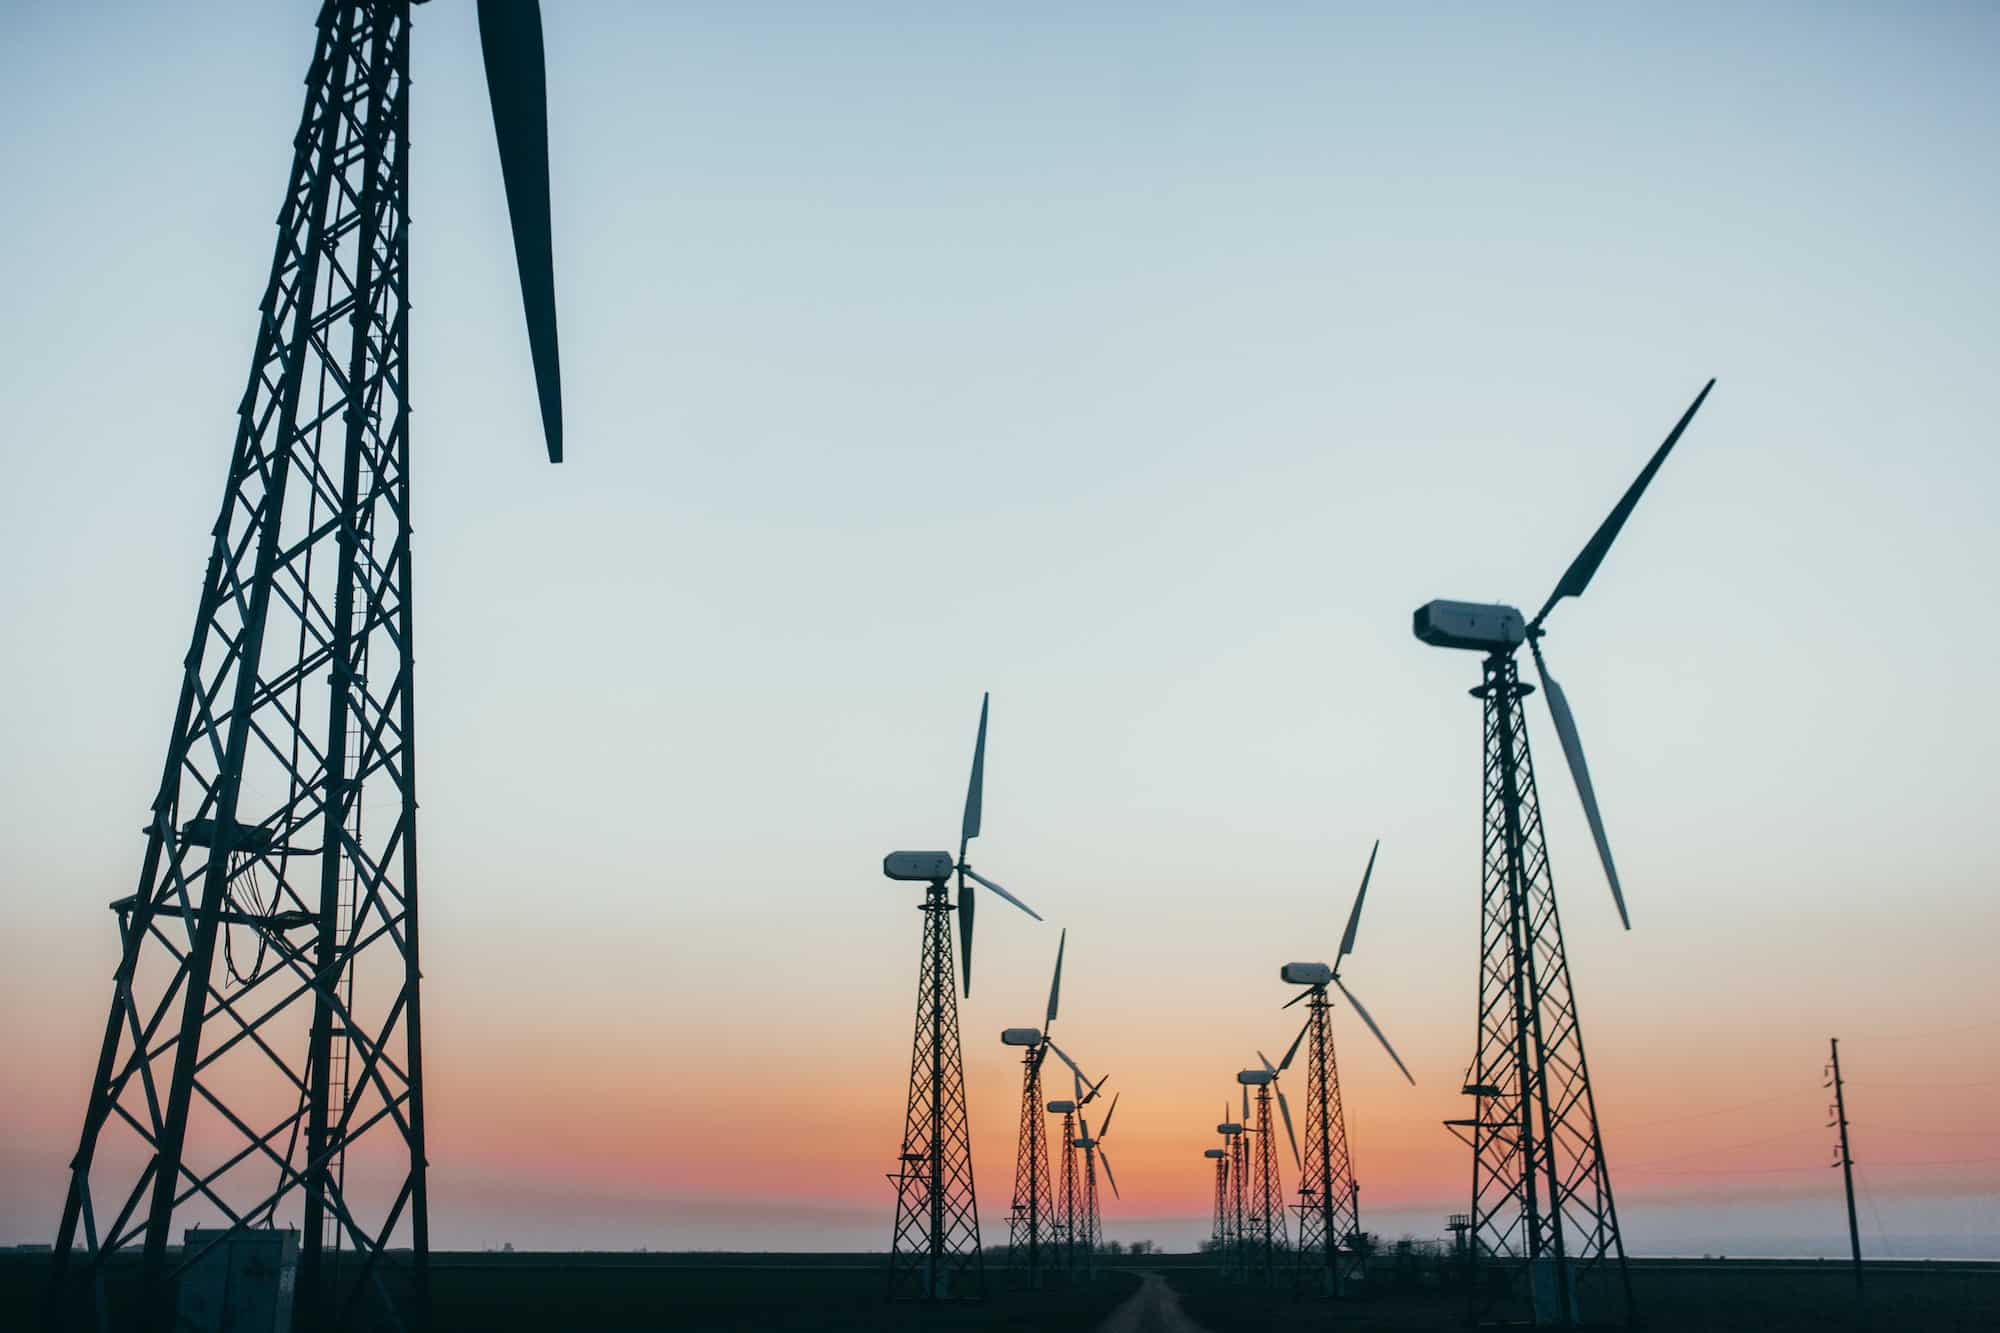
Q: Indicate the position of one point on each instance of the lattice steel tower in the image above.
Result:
(1218, 1230)
(1329, 1198)
(1068, 1193)
(1028, 1216)
(1238, 1252)
(1028, 1230)
(1542, 1205)
(934, 1252)
(283, 834)
(1264, 1218)
(1072, 1221)
(1329, 1204)
(1093, 1154)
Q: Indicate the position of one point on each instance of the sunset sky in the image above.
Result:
(1145, 367)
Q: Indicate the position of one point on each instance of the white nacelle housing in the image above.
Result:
(1061, 1108)
(1484, 626)
(1254, 1078)
(926, 867)
(1021, 1037)
(1305, 974)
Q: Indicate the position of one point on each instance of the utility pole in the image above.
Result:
(1846, 1164)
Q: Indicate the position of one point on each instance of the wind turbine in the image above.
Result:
(1329, 1196)
(1218, 1233)
(1093, 1152)
(1236, 1261)
(1027, 1224)
(296, 702)
(1266, 1217)
(1541, 1192)
(1070, 1190)
(934, 1250)
(975, 790)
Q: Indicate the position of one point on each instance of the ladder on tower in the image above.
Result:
(339, 1047)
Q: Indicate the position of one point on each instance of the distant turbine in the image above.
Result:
(1218, 1233)
(1329, 1197)
(1071, 1203)
(1265, 1237)
(1093, 1154)
(1028, 1218)
(1235, 1256)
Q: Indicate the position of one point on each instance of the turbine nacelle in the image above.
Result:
(1021, 1037)
(1215, 1153)
(919, 867)
(1253, 1078)
(1062, 1108)
(1485, 627)
(1305, 974)
(1229, 1127)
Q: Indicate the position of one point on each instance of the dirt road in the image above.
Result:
(1153, 1308)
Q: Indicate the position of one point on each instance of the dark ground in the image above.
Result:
(1671, 1296)
(682, 1293)
(711, 1293)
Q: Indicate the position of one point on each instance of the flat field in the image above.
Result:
(1681, 1296)
(682, 1293)
(714, 1293)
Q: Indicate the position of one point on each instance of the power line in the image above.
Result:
(1881, 1232)
(1720, 1110)
(1705, 1152)
(1878, 1083)
(1779, 1170)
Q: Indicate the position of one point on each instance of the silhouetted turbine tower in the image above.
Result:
(1069, 1189)
(297, 710)
(1093, 1153)
(1541, 1193)
(1027, 1230)
(1265, 1219)
(1218, 1232)
(1329, 1197)
(1236, 1258)
(934, 1250)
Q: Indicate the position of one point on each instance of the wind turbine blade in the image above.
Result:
(1096, 1088)
(1105, 1158)
(967, 900)
(1579, 770)
(1362, 1009)
(1076, 1078)
(1105, 1128)
(1055, 986)
(1002, 892)
(975, 789)
(1577, 577)
(1284, 1109)
(510, 38)
(1062, 1055)
(1354, 917)
(1269, 1068)
(1294, 1000)
(1286, 1063)
(1246, 1105)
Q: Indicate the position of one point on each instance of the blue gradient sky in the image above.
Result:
(1146, 368)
